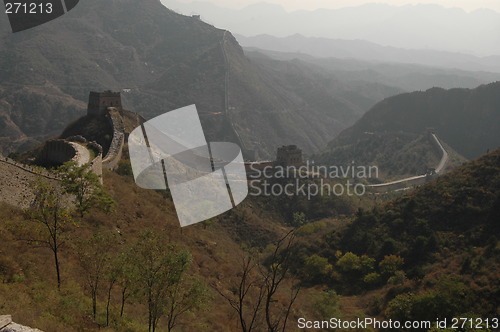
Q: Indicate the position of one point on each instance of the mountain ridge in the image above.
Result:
(430, 26)
(165, 61)
(466, 119)
(370, 51)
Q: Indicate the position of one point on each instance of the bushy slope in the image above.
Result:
(27, 277)
(396, 154)
(430, 253)
(467, 120)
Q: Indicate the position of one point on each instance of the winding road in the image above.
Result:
(419, 178)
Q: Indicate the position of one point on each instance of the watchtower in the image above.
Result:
(100, 101)
(289, 155)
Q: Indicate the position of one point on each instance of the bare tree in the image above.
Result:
(254, 296)
(247, 296)
(273, 277)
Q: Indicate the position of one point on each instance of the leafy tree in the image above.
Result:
(187, 295)
(390, 264)
(124, 168)
(86, 187)
(51, 217)
(400, 308)
(317, 268)
(327, 304)
(298, 219)
(372, 279)
(398, 278)
(161, 268)
(349, 262)
(94, 258)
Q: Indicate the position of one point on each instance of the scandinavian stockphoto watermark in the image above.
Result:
(208, 179)
(204, 179)
(310, 180)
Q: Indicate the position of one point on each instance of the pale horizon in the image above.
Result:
(294, 5)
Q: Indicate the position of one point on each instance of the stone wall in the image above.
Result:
(401, 184)
(30, 169)
(7, 325)
(17, 179)
(110, 161)
(289, 155)
(96, 163)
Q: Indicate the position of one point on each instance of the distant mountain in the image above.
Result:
(423, 26)
(466, 119)
(368, 51)
(48, 71)
(166, 61)
(408, 77)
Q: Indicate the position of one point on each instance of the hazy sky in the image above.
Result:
(467, 5)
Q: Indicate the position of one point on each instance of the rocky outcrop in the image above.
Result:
(7, 325)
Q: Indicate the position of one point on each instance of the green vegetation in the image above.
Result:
(465, 119)
(49, 218)
(86, 188)
(395, 154)
(96, 129)
(432, 253)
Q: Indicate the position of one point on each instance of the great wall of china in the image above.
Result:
(110, 161)
(17, 178)
(420, 179)
(7, 325)
(247, 153)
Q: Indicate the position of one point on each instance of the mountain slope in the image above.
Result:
(466, 119)
(100, 45)
(167, 61)
(430, 253)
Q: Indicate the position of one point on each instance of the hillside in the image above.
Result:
(396, 154)
(467, 120)
(430, 253)
(165, 61)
